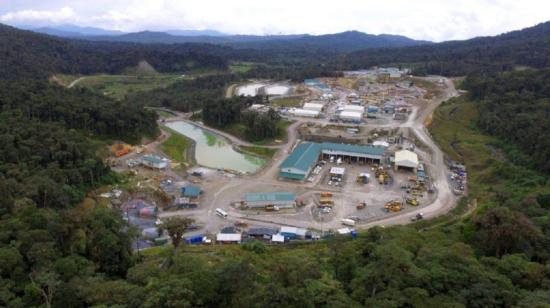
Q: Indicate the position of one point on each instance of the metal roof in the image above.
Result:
(306, 154)
(153, 159)
(352, 148)
(269, 196)
(303, 156)
(191, 191)
(406, 158)
(228, 237)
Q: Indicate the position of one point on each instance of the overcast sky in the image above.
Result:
(435, 20)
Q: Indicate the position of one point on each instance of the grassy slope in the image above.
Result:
(117, 86)
(176, 146)
(259, 151)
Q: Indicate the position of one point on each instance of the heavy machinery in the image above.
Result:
(417, 217)
(326, 194)
(383, 176)
(326, 201)
(393, 206)
(362, 205)
(121, 149)
(412, 201)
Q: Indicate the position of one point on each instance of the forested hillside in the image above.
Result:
(515, 107)
(30, 55)
(527, 47)
(49, 160)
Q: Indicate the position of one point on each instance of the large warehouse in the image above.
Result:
(299, 163)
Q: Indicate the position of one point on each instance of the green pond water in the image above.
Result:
(215, 151)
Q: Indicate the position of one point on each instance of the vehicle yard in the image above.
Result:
(349, 162)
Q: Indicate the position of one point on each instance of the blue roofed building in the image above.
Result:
(301, 161)
(190, 191)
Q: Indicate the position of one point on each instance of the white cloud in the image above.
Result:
(63, 15)
(428, 19)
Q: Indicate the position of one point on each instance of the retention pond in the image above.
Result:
(214, 151)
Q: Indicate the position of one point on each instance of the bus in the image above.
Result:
(221, 213)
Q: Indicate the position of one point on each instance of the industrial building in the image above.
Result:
(301, 161)
(304, 113)
(263, 199)
(154, 162)
(351, 116)
(314, 106)
(406, 159)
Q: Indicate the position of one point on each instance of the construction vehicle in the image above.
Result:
(326, 201)
(121, 149)
(271, 208)
(412, 201)
(362, 205)
(393, 206)
(383, 176)
(326, 194)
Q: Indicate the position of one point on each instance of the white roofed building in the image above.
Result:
(353, 116)
(229, 237)
(314, 106)
(406, 159)
(304, 113)
(354, 108)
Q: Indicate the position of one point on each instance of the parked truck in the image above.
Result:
(348, 222)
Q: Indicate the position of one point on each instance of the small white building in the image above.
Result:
(304, 113)
(314, 106)
(229, 237)
(351, 116)
(354, 108)
(406, 159)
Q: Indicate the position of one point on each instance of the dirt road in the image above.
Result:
(72, 84)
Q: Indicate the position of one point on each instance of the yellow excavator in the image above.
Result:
(393, 206)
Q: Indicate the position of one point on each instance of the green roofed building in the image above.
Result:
(299, 163)
(263, 199)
